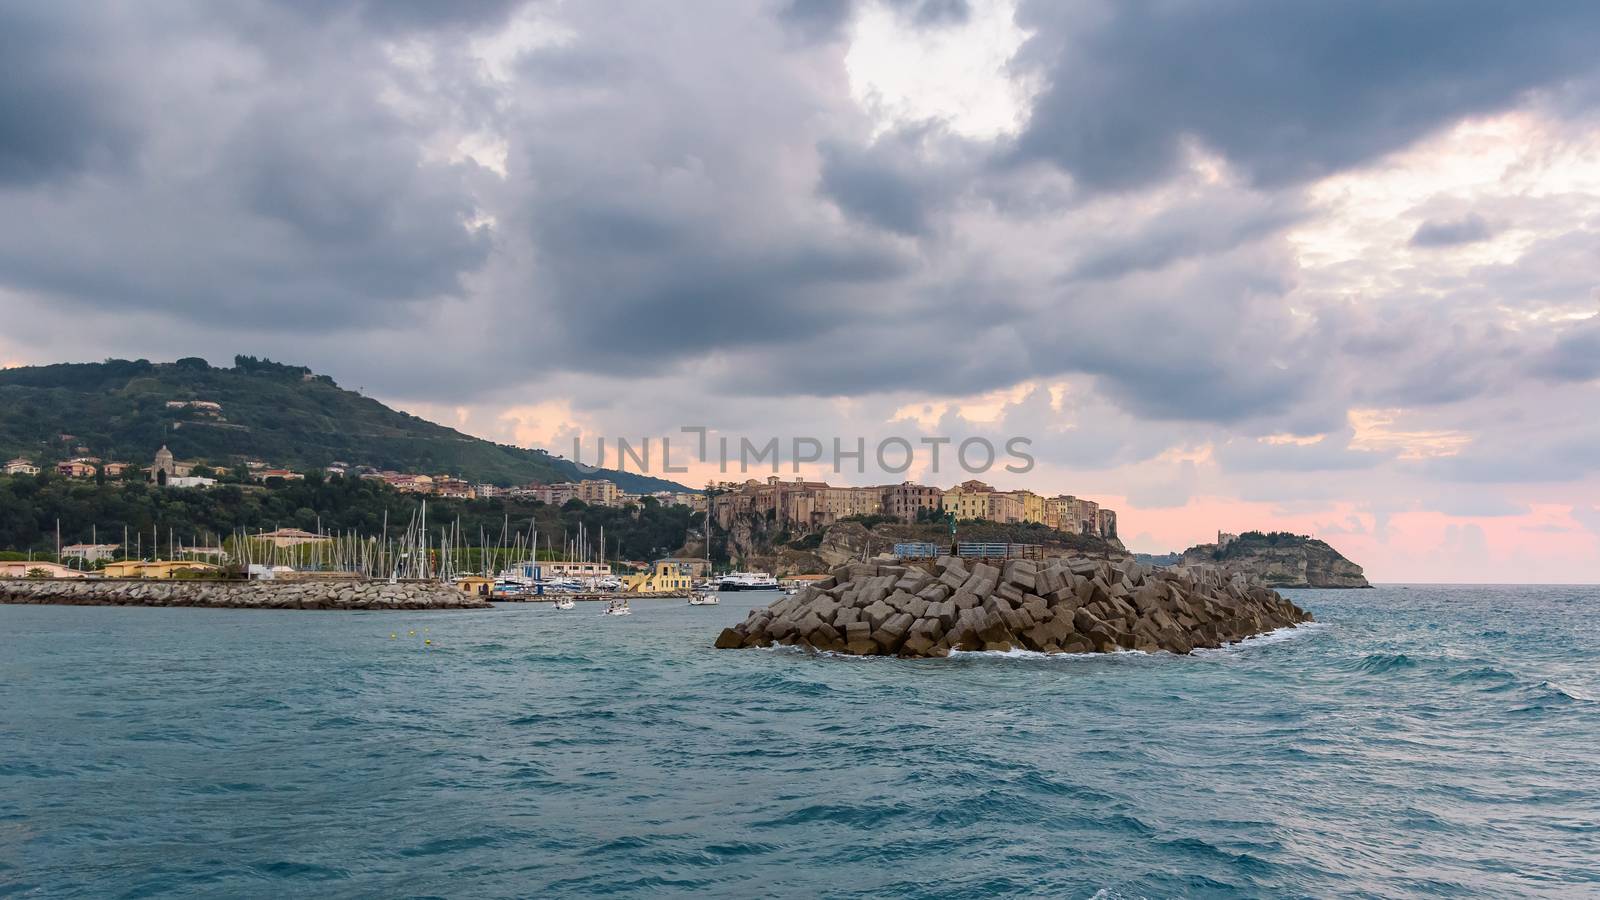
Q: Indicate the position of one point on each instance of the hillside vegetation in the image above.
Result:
(31, 507)
(284, 415)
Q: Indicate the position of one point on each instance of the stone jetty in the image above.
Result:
(340, 594)
(1074, 605)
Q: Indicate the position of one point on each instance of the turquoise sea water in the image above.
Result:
(1438, 741)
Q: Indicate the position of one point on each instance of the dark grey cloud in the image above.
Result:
(934, 12)
(59, 107)
(901, 180)
(1208, 225)
(1285, 91)
(816, 20)
(407, 15)
(1575, 354)
(1507, 459)
(297, 201)
(695, 211)
(1468, 229)
(825, 20)
(874, 189)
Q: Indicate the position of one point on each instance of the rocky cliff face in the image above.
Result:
(1073, 605)
(1281, 561)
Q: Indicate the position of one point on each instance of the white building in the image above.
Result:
(20, 466)
(90, 552)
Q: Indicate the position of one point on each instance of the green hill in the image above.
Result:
(284, 415)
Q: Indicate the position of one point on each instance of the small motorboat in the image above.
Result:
(617, 608)
(565, 603)
(702, 598)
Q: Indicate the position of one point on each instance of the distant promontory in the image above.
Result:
(1279, 559)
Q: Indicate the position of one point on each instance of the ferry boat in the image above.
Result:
(747, 581)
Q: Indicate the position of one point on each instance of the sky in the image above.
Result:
(1328, 267)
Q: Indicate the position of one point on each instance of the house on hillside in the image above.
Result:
(291, 537)
(90, 553)
(262, 475)
(21, 466)
(73, 468)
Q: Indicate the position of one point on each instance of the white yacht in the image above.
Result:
(617, 608)
(747, 581)
(702, 598)
(564, 603)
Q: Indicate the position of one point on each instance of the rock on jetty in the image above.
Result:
(342, 594)
(1058, 606)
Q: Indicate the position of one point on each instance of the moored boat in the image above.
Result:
(747, 581)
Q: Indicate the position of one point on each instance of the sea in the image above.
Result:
(1418, 741)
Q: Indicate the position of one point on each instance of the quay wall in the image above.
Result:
(347, 594)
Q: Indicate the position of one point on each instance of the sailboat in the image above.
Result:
(705, 596)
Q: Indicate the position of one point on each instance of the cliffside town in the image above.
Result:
(807, 527)
(810, 505)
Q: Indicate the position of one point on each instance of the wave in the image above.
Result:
(1277, 636)
(1380, 663)
(1571, 693)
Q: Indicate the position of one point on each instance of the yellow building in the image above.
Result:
(476, 585)
(1032, 506)
(574, 569)
(21, 568)
(158, 569)
(597, 493)
(664, 577)
(969, 500)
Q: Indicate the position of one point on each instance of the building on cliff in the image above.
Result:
(806, 505)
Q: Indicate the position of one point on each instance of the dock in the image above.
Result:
(587, 596)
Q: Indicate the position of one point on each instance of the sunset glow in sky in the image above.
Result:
(1332, 269)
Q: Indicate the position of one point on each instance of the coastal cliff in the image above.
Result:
(349, 595)
(755, 541)
(1280, 560)
(1076, 605)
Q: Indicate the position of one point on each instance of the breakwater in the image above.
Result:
(341, 594)
(1063, 606)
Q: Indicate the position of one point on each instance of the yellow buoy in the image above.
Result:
(411, 634)
(427, 642)
(392, 637)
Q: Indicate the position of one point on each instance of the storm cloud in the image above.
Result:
(1221, 244)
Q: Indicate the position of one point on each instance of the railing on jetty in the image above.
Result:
(970, 550)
